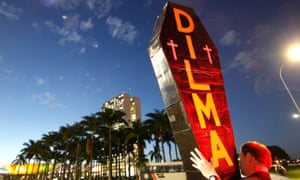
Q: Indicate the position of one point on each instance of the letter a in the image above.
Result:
(190, 28)
(218, 150)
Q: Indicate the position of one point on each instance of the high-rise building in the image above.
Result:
(130, 105)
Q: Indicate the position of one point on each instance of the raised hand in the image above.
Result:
(204, 166)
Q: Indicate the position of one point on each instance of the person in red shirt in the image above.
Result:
(255, 162)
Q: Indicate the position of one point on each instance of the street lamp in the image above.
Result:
(293, 55)
(287, 88)
(296, 116)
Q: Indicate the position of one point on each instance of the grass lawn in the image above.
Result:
(293, 172)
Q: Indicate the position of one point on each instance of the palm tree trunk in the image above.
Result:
(76, 160)
(110, 154)
(129, 166)
(176, 150)
(157, 150)
(65, 161)
(53, 169)
(27, 169)
(163, 151)
(119, 160)
(140, 158)
(32, 175)
(38, 169)
(116, 165)
(46, 170)
(90, 156)
(170, 151)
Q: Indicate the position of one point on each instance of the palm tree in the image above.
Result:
(157, 125)
(91, 124)
(54, 141)
(46, 153)
(105, 140)
(108, 118)
(175, 147)
(66, 134)
(137, 134)
(169, 139)
(39, 155)
(28, 152)
(79, 134)
(18, 162)
(155, 155)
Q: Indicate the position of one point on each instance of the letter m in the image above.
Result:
(206, 109)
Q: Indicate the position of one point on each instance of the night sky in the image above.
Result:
(61, 59)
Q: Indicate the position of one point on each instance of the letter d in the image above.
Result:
(191, 26)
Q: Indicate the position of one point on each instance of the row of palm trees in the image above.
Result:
(76, 150)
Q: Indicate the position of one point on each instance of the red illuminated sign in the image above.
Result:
(187, 67)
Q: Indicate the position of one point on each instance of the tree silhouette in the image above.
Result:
(278, 153)
(62, 152)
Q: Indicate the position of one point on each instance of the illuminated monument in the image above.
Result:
(187, 67)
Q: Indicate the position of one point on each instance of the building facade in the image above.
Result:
(130, 105)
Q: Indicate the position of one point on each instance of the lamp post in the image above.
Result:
(287, 89)
(293, 55)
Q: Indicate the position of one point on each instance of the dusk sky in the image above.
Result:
(61, 59)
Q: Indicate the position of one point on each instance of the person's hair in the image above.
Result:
(259, 151)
